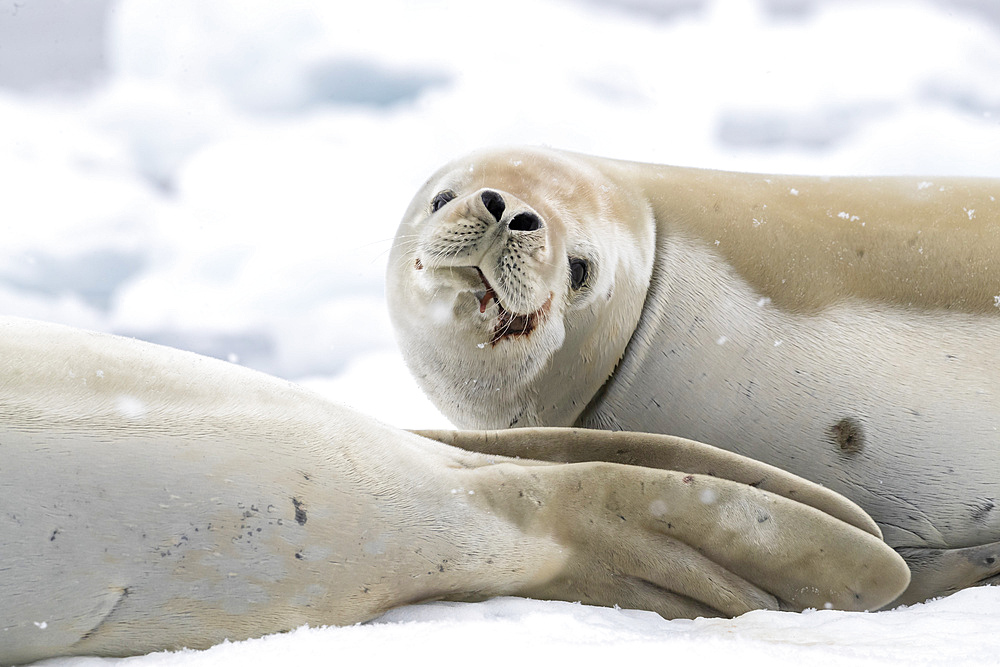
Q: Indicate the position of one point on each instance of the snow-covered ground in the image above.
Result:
(233, 183)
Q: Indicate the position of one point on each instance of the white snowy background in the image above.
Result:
(226, 176)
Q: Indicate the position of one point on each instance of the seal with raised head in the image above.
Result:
(844, 329)
(154, 499)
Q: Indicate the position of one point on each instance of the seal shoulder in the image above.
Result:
(808, 243)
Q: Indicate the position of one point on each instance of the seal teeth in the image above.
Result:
(484, 300)
(486, 295)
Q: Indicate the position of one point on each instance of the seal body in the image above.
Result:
(844, 329)
(154, 499)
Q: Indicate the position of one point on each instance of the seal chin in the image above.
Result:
(503, 324)
(509, 325)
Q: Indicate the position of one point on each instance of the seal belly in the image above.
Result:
(889, 407)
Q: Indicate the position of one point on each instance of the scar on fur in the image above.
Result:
(848, 435)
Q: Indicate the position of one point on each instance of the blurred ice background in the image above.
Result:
(226, 176)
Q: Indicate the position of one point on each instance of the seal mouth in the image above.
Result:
(508, 324)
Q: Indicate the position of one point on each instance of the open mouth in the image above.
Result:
(508, 324)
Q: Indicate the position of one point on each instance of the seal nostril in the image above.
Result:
(494, 203)
(524, 222)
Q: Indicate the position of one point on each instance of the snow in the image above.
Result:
(233, 182)
(961, 630)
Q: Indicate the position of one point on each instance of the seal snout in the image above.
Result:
(525, 221)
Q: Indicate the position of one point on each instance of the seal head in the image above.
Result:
(508, 269)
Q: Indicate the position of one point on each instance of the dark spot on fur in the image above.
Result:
(300, 512)
(688, 479)
(982, 510)
(298, 555)
(848, 435)
(418, 265)
(990, 560)
(52, 537)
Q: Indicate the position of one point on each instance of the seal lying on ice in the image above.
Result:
(844, 329)
(154, 499)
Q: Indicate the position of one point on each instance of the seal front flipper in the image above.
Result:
(687, 545)
(40, 631)
(574, 445)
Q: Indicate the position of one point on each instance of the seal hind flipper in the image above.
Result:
(686, 544)
(573, 445)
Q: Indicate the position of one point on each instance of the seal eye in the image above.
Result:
(578, 271)
(440, 199)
